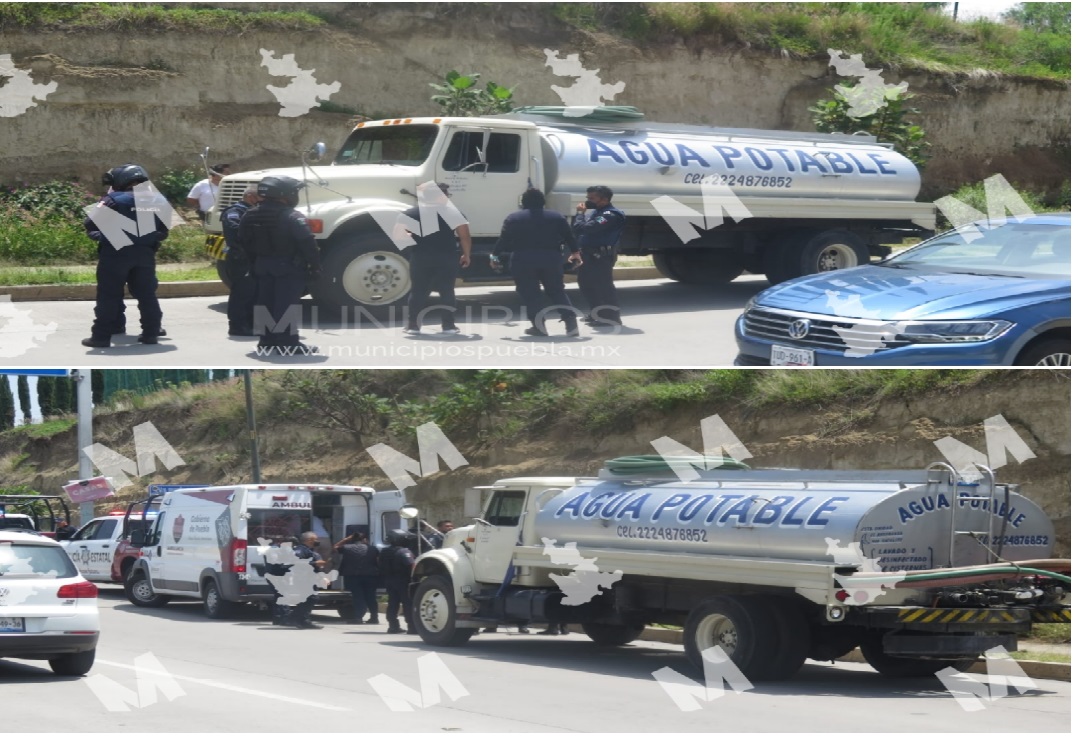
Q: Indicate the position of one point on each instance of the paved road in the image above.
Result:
(247, 676)
(668, 325)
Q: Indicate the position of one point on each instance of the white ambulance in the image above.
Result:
(204, 542)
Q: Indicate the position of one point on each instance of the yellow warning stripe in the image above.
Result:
(931, 616)
(1052, 616)
(912, 615)
(967, 616)
(950, 617)
(963, 616)
(214, 247)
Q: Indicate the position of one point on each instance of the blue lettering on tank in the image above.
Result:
(860, 165)
(636, 157)
(595, 505)
(720, 505)
(686, 154)
(830, 504)
(740, 509)
(665, 158)
(790, 518)
(759, 158)
(1018, 519)
(838, 163)
(599, 149)
(573, 505)
(610, 509)
(915, 508)
(771, 512)
(905, 515)
(693, 507)
(943, 502)
(807, 161)
(673, 501)
(788, 162)
(635, 507)
(727, 154)
(882, 163)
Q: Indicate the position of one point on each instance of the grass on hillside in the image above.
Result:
(48, 428)
(149, 16)
(1041, 656)
(1051, 633)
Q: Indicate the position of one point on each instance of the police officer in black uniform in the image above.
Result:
(396, 563)
(133, 265)
(598, 236)
(535, 236)
(242, 290)
(279, 242)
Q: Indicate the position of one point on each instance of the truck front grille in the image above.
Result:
(231, 191)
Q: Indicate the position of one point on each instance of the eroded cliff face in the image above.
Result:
(864, 435)
(160, 97)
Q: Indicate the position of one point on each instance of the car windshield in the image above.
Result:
(1013, 249)
(403, 145)
(34, 560)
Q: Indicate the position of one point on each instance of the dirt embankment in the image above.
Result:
(161, 96)
(876, 434)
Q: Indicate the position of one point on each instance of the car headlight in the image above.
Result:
(953, 332)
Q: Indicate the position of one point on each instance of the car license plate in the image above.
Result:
(780, 355)
(8, 625)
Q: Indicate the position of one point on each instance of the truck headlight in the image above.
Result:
(953, 332)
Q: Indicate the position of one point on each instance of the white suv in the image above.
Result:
(47, 610)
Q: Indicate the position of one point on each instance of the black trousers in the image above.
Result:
(535, 270)
(596, 283)
(280, 287)
(433, 272)
(135, 267)
(363, 589)
(399, 595)
(243, 291)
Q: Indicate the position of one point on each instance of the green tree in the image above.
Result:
(460, 96)
(46, 392)
(97, 387)
(7, 405)
(889, 124)
(1052, 17)
(24, 397)
(62, 395)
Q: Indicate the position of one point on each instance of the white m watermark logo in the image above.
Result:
(432, 446)
(717, 199)
(151, 677)
(1002, 672)
(149, 446)
(434, 678)
(1001, 441)
(717, 438)
(150, 206)
(717, 668)
(433, 205)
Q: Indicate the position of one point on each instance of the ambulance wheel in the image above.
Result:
(793, 637)
(699, 265)
(742, 627)
(140, 592)
(434, 613)
(833, 250)
(213, 603)
(613, 635)
(890, 666)
(362, 271)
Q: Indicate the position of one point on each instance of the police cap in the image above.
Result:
(279, 186)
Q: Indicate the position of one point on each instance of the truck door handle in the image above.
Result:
(104, 546)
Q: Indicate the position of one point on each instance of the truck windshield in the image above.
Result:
(404, 145)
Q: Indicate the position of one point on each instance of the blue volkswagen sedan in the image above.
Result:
(983, 294)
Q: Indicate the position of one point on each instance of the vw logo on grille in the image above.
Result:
(799, 329)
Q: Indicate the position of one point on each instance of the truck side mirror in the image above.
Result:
(138, 538)
(316, 152)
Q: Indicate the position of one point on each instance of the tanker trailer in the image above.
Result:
(918, 568)
(707, 203)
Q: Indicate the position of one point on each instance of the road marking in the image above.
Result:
(233, 688)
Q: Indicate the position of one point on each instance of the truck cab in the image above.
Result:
(94, 546)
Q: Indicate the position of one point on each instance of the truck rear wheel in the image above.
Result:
(140, 592)
(890, 666)
(434, 613)
(793, 638)
(699, 266)
(832, 251)
(363, 272)
(214, 605)
(613, 635)
(744, 628)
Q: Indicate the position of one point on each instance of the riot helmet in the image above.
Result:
(124, 177)
(280, 187)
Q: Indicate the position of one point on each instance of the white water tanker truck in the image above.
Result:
(918, 569)
(816, 202)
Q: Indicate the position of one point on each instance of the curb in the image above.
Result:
(180, 289)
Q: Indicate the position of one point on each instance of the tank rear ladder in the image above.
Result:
(981, 535)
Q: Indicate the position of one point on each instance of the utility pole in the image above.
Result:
(955, 8)
(84, 395)
(252, 427)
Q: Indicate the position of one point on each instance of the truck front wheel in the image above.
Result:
(890, 666)
(434, 613)
(699, 266)
(363, 272)
(743, 628)
(613, 635)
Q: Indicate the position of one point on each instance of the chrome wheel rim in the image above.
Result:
(1056, 360)
(377, 277)
(717, 630)
(433, 610)
(837, 256)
